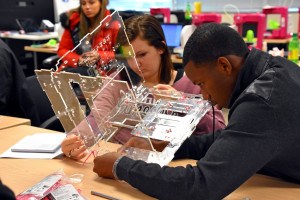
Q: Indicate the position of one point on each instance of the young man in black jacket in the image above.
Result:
(262, 136)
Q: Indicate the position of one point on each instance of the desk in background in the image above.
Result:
(174, 57)
(277, 41)
(18, 36)
(280, 43)
(34, 38)
(20, 174)
(52, 50)
(7, 122)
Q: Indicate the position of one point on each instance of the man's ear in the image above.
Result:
(224, 65)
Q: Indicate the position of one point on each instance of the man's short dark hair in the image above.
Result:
(211, 41)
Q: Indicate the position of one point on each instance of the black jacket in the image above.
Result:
(262, 136)
(6, 193)
(15, 99)
(65, 23)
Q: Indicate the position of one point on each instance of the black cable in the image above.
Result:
(213, 123)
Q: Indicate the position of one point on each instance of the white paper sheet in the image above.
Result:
(37, 141)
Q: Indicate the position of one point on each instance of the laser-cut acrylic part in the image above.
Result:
(107, 105)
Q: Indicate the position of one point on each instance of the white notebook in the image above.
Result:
(39, 143)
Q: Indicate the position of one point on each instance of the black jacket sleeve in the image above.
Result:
(15, 99)
(237, 152)
(6, 77)
(6, 193)
(196, 146)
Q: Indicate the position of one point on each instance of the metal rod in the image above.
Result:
(119, 124)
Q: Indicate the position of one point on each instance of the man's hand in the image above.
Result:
(103, 165)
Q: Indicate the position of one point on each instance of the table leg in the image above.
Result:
(35, 61)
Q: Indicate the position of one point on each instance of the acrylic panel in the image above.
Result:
(113, 100)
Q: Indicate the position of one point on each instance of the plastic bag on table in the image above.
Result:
(48, 185)
(67, 191)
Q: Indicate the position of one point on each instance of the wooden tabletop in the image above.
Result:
(20, 174)
(41, 49)
(7, 122)
(277, 41)
(176, 59)
(18, 36)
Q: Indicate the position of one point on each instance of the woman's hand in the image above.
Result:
(89, 58)
(72, 146)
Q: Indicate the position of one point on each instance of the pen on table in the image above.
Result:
(104, 195)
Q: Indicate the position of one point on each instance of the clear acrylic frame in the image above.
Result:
(109, 104)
